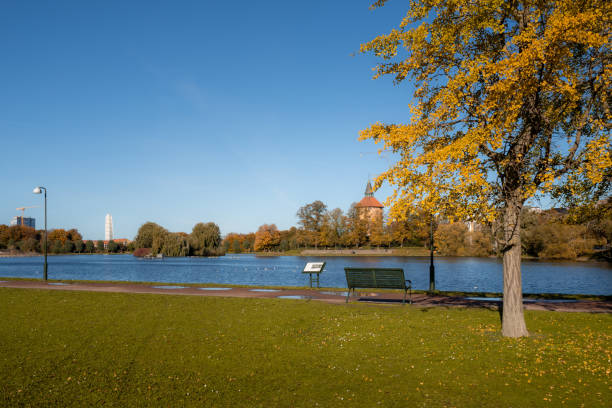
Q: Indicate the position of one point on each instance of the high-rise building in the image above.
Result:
(27, 221)
(108, 228)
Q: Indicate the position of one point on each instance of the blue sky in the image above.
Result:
(180, 112)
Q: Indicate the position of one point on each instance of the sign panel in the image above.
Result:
(314, 267)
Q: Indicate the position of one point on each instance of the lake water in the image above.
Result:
(460, 274)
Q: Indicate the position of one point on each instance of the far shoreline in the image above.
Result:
(410, 252)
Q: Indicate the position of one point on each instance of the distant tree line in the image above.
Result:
(582, 232)
(320, 227)
(551, 234)
(204, 240)
(21, 238)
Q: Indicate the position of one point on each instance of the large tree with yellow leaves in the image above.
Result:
(512, 101)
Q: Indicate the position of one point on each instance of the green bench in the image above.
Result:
(379, 278)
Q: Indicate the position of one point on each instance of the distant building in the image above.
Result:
(119, 241)
(370, 208)
(108, 228)
(536, 210)
(27, 221)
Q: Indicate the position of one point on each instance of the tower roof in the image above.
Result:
(368, 191)
(369, 202)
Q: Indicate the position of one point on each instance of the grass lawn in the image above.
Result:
(61, 348)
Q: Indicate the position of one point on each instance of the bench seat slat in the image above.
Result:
(382, 278)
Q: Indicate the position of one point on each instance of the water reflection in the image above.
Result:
(215, 288)
(264, 290)
(497, 299)
(294, 297)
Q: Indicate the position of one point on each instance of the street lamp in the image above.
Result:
(432, 269)
(38, 190)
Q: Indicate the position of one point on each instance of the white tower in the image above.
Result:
(108, 228)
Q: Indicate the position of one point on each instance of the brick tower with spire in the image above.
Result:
(369, 207)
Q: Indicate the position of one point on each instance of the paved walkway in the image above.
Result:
(329, 296)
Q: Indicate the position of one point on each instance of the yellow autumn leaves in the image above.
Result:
(499, 89)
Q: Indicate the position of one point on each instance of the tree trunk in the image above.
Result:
(513, 320)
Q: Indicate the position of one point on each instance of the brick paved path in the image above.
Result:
(324, 295)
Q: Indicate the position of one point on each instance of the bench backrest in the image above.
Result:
(384, 278)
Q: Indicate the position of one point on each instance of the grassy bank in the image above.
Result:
(548, 296)
(77, 349)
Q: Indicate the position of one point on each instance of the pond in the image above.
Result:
(456, 274)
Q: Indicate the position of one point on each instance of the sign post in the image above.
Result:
(314, 268)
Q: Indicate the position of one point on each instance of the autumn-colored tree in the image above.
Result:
(235, 247)
(450, 239)
(18, 233)
(597, 218)
(74, 235)
(412, 230)
(4, 236)
(511, 100)
(249, 242)
(312, 218)
(377, 234)
(337, 222)
(239, 242)
(267, 238)
(311, 215)
(58, 234)
(480, 243)
(548, 235)
(290, 236)
(233, 242)
(303, 238)
(356, 228)
(29, 245)
(327, 236)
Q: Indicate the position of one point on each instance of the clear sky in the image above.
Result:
(234, 112)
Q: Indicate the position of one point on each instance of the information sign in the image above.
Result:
(314, 268)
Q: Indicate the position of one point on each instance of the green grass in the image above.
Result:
(60, 348)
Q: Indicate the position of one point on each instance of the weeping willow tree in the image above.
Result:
(511, 102)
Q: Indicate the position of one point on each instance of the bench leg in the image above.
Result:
(347, 295)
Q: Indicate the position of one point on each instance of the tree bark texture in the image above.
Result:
(513, 320)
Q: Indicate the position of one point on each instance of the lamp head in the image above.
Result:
(37, 190)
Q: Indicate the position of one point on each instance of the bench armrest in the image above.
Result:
(408, 283)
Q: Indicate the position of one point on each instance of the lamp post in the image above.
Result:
(38, 190)
(432, 269)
